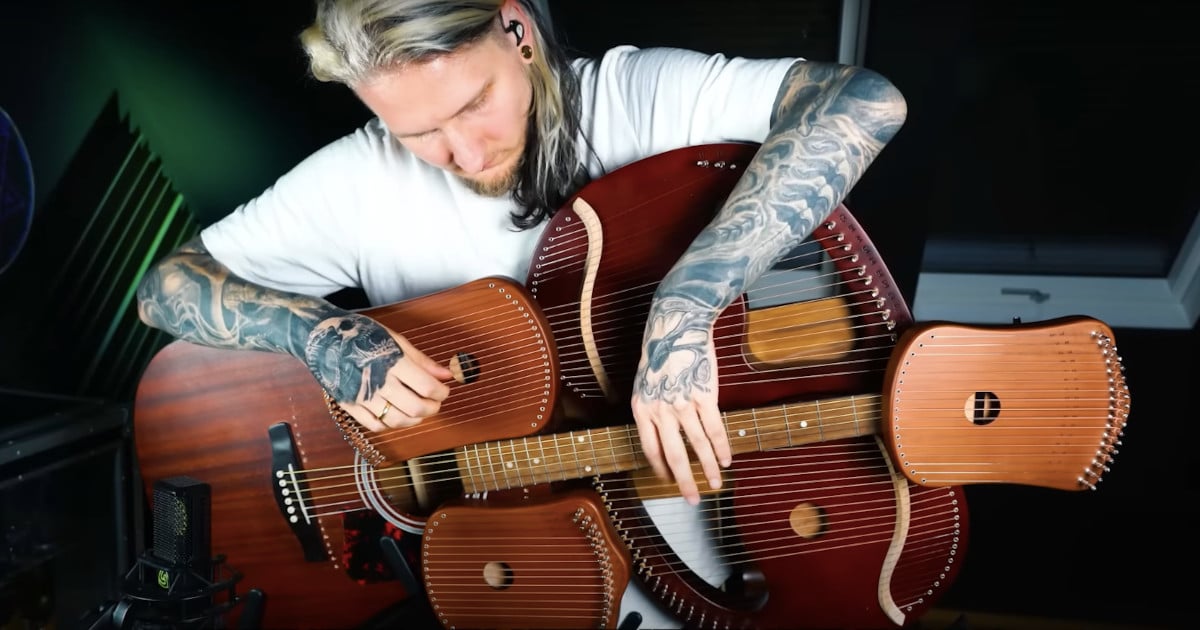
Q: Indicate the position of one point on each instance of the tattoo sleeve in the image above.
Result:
(828, 123)
(193, 297)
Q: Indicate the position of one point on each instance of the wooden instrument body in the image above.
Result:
(596, 266)
(593, 274)
(548, 561)
(205, 413)
(812, 558)
(820, 536)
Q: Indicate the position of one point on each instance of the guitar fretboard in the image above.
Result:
(515, 463)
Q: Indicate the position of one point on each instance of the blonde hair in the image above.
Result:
(351, 40)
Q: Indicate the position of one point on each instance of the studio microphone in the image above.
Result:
(178, 583)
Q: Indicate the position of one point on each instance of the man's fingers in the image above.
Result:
(651, 447)
(415, 377)
(422, 374)
(394, 408)
(695, 431)
(364, 416)
(714, 430)
(407, 401)
(676, 455)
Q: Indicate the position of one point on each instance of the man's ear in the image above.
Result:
(518, 26)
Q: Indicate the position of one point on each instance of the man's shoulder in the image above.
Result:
(368, 144)
(369, 138)
(629, 53)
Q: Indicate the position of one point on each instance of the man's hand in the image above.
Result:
(376, 375)
(675, 397)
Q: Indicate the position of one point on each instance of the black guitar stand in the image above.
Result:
(414, 611)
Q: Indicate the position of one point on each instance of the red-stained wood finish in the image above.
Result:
(1050, 414)
(550, 562)
(596, 267)
(822, 536)
(205, 412)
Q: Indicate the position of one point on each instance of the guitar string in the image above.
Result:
(733, 328)
(621, 446)
(1105, 399)
(639, 290)
(864, 407)
(731, 378)
(1102, 400)
(1088, 429)
(636, 475)
(871, 523)
(616, 320)
(865, 527)
(641, 300)
(445, 585)
(635, 290)
(854, 505)
(923, 523)
(618, 441)
(533, 477)
(481, 398)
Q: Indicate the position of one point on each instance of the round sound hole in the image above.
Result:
(808, 520)
(982, 408)
(464, 367)
(498, 575)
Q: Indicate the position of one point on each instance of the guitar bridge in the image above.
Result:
(290, 491)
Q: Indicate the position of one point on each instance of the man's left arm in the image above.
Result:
(828, 124)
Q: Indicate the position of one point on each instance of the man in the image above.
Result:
(483, 128)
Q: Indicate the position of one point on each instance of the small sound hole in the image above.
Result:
(465, 368)
(498, 575)
(808, 520)
(982, 408)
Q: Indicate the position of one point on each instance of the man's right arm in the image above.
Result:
(193, 297)
(368, 369)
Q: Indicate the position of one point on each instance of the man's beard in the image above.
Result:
(497, 186)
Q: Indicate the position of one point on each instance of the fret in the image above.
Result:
(735, 427)
(515, 464)
(757, 429)
(595, 467)
(541, 454)
(492, 466)
(612, 447)
(533, 461)
(464, 458)
(801, 423)
(482, 475)
(562, 469)
(576, 452)
(772, 430)
(787, 427)
(633, 450)
(802, 434)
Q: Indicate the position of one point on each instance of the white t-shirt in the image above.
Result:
(364, 212)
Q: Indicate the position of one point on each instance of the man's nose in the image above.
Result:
(467, 150)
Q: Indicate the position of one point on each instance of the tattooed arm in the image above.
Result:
(376, 375)
(828, 123)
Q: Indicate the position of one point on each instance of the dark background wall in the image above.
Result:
(1026, 118)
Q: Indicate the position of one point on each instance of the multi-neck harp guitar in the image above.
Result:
(854, 429)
